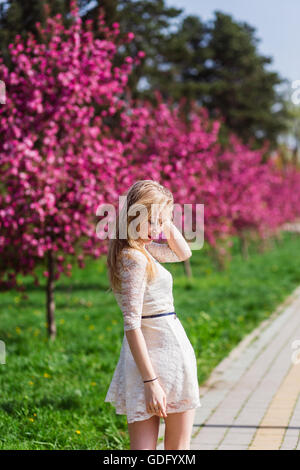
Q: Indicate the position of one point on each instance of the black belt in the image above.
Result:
(159, 315)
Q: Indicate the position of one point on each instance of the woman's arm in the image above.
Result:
(155, 396)
(176, 249)
(140, 353)
(130, 299)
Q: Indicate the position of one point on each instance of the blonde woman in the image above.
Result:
(156, 375)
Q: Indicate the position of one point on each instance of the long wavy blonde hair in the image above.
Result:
(143, 193)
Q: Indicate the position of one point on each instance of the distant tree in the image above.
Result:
(294, 130)
(20, 16)
(151, 22)
(218, 65)
(148, 19)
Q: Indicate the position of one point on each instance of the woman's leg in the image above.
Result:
(144, 434)
(178, 430)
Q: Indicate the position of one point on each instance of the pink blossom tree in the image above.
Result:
(237, 188)
(58, 160)
(62, 155)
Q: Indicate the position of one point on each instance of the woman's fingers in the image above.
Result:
(164, 406)
(152, 408)
(149, 409)
(158, 408)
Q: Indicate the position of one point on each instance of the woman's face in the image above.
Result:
(155, 226)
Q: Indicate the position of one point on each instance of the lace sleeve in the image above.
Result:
(162, 252)
(133, 282)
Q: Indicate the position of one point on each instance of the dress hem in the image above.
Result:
(149, 415)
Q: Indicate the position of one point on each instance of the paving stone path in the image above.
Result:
(252, 398)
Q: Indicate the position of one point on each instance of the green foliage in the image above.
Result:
(20, 16)
(50, 391)
(216, 64)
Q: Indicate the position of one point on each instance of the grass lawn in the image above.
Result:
(52, 395)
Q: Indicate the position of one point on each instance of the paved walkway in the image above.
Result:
(252, 398)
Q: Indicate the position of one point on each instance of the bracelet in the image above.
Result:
(150, 380)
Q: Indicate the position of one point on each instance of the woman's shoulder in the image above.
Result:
(134, 254)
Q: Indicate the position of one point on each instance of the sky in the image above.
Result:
(277, 24)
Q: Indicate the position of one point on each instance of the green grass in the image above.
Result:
(49, 392)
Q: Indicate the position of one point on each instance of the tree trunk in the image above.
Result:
(188, 268)
(244, 245)
(295, 155)
(218, 259)
(266, 244)
(222, 253)
(278, 237)
(50, 297)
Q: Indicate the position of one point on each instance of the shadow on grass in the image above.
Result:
(69, 402)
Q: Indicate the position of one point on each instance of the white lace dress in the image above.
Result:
(170, 351)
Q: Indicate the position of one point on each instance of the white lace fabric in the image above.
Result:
(171, 353)
(162, 252)
(133, 284)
